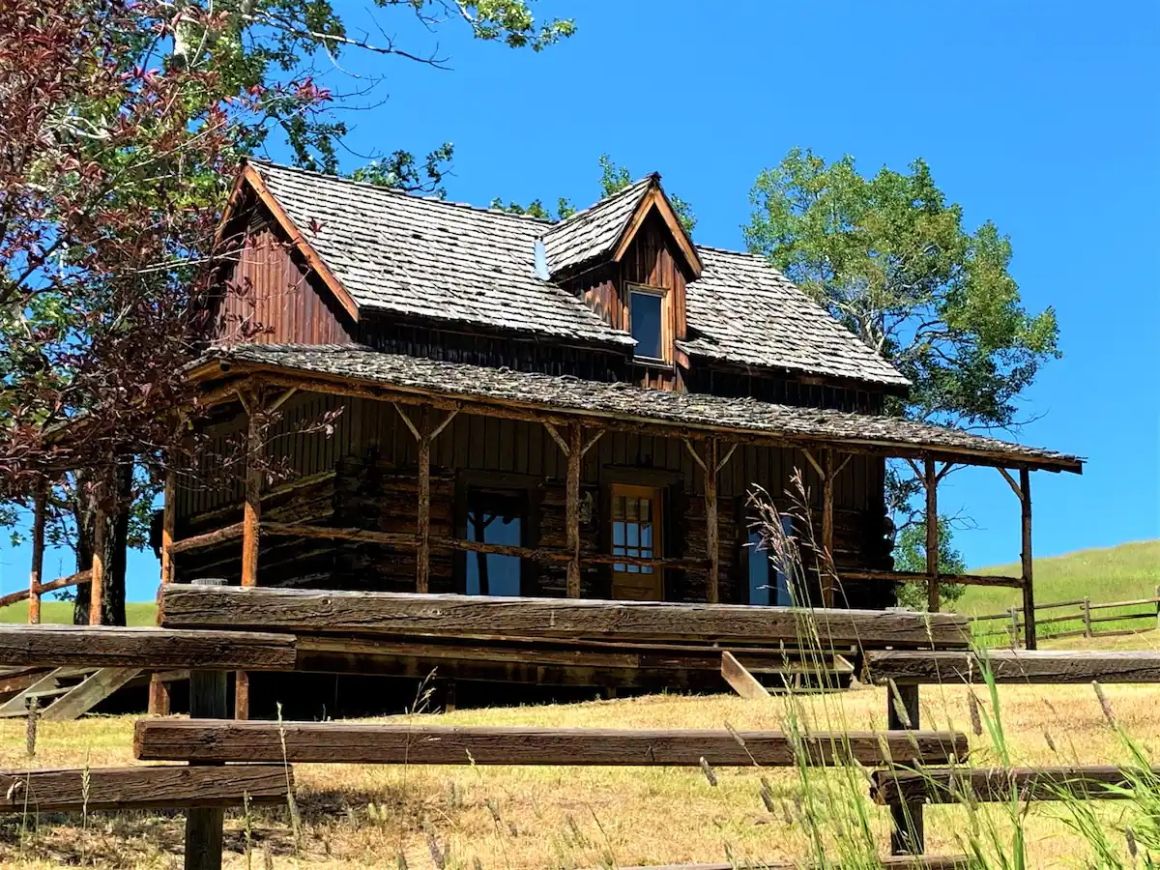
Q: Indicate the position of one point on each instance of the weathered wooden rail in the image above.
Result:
(1086, 619)
(907, 792)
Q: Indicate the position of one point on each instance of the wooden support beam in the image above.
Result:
(907, 835)
(693, 453)
(335, 533)
(728, 455)
(159, 695)
(575, 454)
(1011, 482)
(209, 539)
(97, 582)
(1028, 562)
(740, 680)
(387, 613)
(141, 788)
(57, 646)
(1013, 666)
(281, 400)
(966, 784)
(557, 437)
(36, 570)
(712, 525)
(209, 741)
(920, 577)
(930, 481)
(252, 506)
(829, 581)
(821, 472)
(423, 514)
(208, 700)
(77, 579)
(408, 421)
(591, 442)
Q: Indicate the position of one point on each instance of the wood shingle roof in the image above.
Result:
(627, 402)
(451, 262)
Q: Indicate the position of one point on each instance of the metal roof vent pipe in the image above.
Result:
(540, 260)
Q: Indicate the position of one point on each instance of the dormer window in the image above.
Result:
(647, 319)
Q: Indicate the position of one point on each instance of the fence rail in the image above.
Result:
(1086, 619)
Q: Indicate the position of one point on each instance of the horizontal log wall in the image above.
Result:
(362, 476)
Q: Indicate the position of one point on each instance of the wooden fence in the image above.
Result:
(1080, 617)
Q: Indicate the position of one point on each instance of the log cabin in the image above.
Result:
(469, 401)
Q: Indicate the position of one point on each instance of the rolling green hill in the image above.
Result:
(1109, 574)
(136, 612)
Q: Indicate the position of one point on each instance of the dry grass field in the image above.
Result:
(465, 817)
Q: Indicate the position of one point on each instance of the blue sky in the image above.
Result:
(1043, 118)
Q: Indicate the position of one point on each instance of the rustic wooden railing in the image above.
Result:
(1082, 618)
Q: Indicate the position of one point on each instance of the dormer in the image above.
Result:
(630, 259)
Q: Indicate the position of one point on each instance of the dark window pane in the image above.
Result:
(758, 570)
(489, 573)
(645, 317)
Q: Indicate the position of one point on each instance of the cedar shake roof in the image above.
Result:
(451, 262)
(430, 258)
(593, 233)
(627, 402)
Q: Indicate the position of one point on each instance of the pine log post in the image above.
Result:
(97, 581)
(828, 527)
(907, 836)
(575, 454)
(930, 481)
(36, 571)
(1028, 569)
(204, 826)
(423, 515)
(159, 696)
(1013, 627)
(1086, 611)
(712, 528)
(252, 402)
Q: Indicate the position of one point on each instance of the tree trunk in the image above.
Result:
(116, 546)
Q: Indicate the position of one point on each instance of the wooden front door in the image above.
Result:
(636, 532)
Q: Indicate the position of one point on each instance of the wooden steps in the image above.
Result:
(66, 693)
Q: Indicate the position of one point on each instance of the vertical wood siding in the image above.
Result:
(270, 296)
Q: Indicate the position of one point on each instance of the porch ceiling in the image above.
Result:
(539, 396)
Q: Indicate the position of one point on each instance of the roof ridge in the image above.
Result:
(392, 191)
(623, 192)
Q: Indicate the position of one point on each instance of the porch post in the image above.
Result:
(97, 578)
(827, 565)
(930, 480)
(712, 529)
(251, 525)
(159, 698)
(575, 455)
(1028, 585)
(36, 571)
(423, 518)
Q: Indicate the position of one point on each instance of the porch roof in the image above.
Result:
(545, 395)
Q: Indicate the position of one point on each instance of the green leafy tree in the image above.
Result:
(120, 133)
(890, 257)
(910, 555)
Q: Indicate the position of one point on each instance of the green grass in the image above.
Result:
(136, 612)
(1122, 573)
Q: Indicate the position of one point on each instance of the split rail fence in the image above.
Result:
(1079, 617)
(214, 630)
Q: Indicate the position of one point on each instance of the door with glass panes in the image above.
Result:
(636, 517)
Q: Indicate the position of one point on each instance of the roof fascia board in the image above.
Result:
(254, 180)
(655, 198)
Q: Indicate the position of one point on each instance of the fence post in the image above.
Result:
(1158, 607)
(1013, 628)
(1087, 616)
(906, 829)
(203, 826)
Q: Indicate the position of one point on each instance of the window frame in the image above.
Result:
(773, 573)
(476, 496)
(664, 340)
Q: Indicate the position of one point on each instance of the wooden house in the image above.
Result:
(468, 401)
